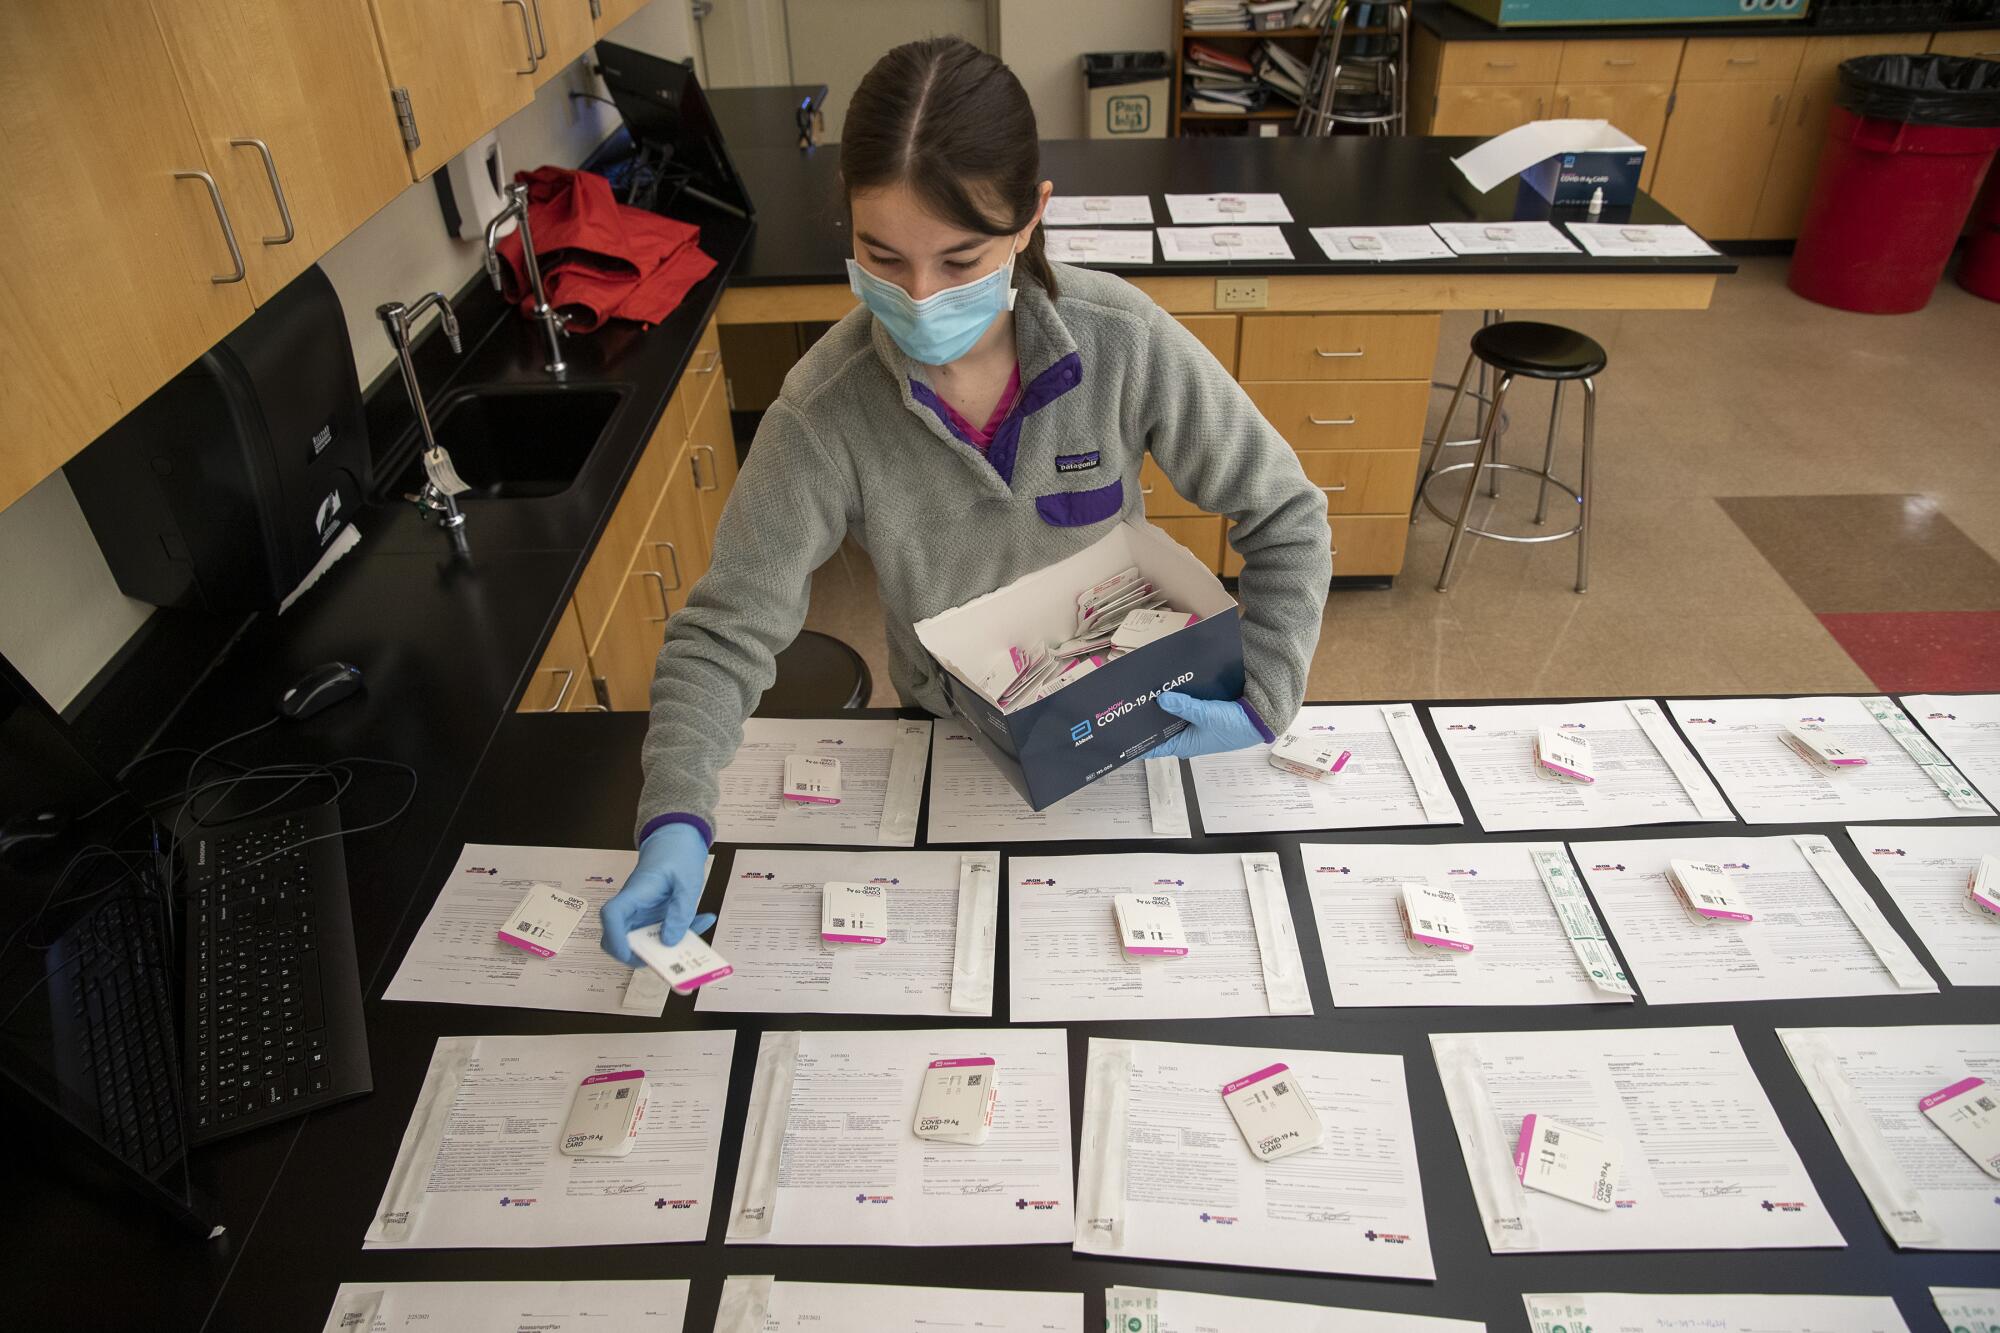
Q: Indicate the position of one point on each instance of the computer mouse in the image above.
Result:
(320, 688)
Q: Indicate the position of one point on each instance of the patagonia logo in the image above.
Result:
(1076, 462)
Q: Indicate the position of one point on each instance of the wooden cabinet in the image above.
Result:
(712, 457)
(1337, 347)
(1795, 161)
(1362, 544)
(560, 682)
(298, 169)
(1516, 62)
(465, 66)
(1202, 535)
(1639, 109)
(677, 540)
(113, 249)
(611, 13)
(1747, 59)
(1983, 43)
(1718, 147)
(1364, 481)
(563, 30)
(1217, 333)
(1620, 60)
(1352, 414)
(1488, 109)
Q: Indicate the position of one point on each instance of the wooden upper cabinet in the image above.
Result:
(611, 13)
(563, 29)
(110, 256)
(466, 65)
(295, 119)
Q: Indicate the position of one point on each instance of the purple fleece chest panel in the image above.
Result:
(1044, 389)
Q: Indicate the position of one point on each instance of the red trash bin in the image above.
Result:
(1894, 186)
(1979, 270)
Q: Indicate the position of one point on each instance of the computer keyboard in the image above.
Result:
(273, 999)
(122, 1021)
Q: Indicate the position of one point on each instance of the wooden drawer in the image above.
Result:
(1981, 42)
(1338, 347)
(604, 575)
(1501, 62)
(563, 675)
(1626, 61)
(1364, 481)
(1217, 334)
(1742, 59)
(1362, 544)
(1201, 535)
(1487, 109)
(1162, 500)
(1354, 414)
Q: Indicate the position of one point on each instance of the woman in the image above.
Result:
(963, 320)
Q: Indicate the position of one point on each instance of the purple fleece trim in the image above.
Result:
(1076, 509)
(695, 822)
(1270, 737)
(1039, 392)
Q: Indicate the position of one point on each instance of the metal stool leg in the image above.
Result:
(1472, 483)
(1444, 432)
(1487, 319)
(1583, 487)
(1549, 455)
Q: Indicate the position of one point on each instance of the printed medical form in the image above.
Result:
(766, 1305)
(972, 801)
(1391, 777)
(1159, 1310)
(1927, 871)
(547, 1307)
(881, 775)
(1712, 1313)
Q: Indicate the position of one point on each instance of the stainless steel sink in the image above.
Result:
(515, 443)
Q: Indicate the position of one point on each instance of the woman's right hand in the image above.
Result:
(664, 888)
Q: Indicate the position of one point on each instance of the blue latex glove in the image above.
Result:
(1214, 726)
(665, 887)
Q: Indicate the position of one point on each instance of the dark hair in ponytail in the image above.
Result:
(955, 125)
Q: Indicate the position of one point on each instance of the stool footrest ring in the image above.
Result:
(1423, 495)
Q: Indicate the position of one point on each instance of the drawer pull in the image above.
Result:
(1329, 421)
(1333, 355)
(674, 556)
(694, 466)
(1619, 63)
(1741, 60)
(1501, 64)
(714, 360)
(562, 692)
(1777, 108)
(1144, 489)
(661, 583)
(1334, 551)
(1334, 490)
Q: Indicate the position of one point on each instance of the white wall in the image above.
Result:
(61, 614)
(1043, 42)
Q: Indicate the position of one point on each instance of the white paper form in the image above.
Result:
(1080, 245)
(972, 801)
(881, 777)
(1520, 950)
(1158, 1310)
(765, 1305)
(1626, 241)
(830, 1156)
(479, 1165)
(1065, 961)
(1504, 238)
(1707, 1165)
(1741, 742)
(1392, 778)
(1098, 210)
(1185, 208)
(1815, 931)
(1165, 1174)
(1210, 244)
(1926, 869)
(1381, 244)
(1968, 1309)
(546, 1307)
(1645, 773)
(1967, 728)
(1867, 1082)
(457, 957)
(770, 931)
(1616, 1311)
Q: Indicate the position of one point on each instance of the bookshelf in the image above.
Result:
(1383, 29)
(1301, 42)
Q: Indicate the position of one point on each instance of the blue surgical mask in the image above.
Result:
(943, 326)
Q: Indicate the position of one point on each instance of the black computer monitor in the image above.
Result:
(666, 113)
(89, 988)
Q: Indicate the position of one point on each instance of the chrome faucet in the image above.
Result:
(398, 319)
(552, 325)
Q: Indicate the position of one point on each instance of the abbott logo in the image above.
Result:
(1080, 733)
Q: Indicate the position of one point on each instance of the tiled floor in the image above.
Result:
(1774, 479)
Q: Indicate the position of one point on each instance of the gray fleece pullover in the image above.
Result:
(858, 443)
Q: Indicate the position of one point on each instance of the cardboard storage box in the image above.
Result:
(1061, 744)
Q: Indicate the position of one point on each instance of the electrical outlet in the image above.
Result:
(1242, 293)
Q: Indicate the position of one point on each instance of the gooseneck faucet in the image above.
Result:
(552, 325)
(398, 319)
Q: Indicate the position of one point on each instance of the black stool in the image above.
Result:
(818, 674)
(1541, 352)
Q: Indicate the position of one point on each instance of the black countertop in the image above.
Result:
(1352, 181)
(572, 780)
(1452, 24)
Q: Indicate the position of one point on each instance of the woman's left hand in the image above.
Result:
(1214, 727)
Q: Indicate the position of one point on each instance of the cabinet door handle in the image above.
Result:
(714, 360)
(1501, 64)
(277, 190)
(1538, 108)
(1336, 355)
(562, 692)
(1740, 60)
(1334, 490)
(1777, 108)
(526, 36)
(222, 216)
(541, 38)
(1565, 110)
(674, 556)
(661, 583)
(1329, 421)
(714, 478)
(1805, 100)
(1619, 63)
(1334, 551)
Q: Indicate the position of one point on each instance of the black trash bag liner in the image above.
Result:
(1922, 90)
